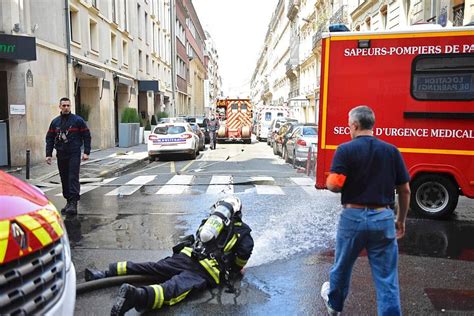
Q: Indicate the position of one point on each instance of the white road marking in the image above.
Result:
(262, 178)
(303, 181)
(177, 185)
(221, 180)
(182, 179)
(269, 189)
(108, 180)
(172, 189)
(141, 180)
(220, 185)
(124, 190)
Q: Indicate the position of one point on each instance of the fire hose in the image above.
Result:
(115, 281)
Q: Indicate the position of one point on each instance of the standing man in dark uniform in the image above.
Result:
(213, 128)
(367, 171)
(67, 133)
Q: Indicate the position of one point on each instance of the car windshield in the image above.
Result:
(309, 131)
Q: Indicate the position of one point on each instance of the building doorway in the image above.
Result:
(4, 129)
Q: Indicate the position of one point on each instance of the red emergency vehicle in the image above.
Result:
(37, 276)
(235, 116)
(420, 84)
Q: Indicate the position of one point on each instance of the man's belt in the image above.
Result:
(377, 207)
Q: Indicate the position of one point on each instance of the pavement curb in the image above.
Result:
(107, 172)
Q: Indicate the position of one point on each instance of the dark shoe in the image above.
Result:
(63, 210)
(72, 209)
(125, 300)
(91, 274)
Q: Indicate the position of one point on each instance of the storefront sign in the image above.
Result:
(14, 47)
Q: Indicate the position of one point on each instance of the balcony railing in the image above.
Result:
(294, 93)
(317, 38)
(340, 16)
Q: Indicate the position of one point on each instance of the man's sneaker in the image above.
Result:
(91, 274)
(325, 295)
(63, 210)
(72, 209)
(125, 300)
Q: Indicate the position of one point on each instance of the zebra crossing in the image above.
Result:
(211, 185)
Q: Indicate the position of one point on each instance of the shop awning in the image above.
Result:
(123, 80)
(90, 70)
(15, 47)
(148, 85)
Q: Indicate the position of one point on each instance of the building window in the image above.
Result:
(93, 36)
(114, 50)
(147, 35)
(125, 21)
(75, 26)
(458, 15)
(153, 68)
(383, 17)
(140, 60)
(139, 21)
(114, 11)
(147, 64)
(125, 52)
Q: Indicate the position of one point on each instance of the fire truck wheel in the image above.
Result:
(434, 196)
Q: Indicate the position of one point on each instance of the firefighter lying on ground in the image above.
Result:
(221, 249)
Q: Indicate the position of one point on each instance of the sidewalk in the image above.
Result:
(101, 164)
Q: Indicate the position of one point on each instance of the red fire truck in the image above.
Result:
(235, 116)
(420, 84)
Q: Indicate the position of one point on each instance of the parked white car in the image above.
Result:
(298, 144)
(172, 138)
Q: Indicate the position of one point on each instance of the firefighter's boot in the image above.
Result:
(128, 298)
(63, 210)
(91, 274)
(72, 209)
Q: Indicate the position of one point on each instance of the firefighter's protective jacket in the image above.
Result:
(231, 256)
(75, 131)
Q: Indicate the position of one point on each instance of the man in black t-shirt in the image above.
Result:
(367, 171)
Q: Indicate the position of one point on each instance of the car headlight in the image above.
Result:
(67, 250)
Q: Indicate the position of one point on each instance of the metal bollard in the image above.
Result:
(27, 164)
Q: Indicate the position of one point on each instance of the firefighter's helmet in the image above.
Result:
(232, 202)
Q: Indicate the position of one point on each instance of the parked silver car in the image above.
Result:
(298, 144)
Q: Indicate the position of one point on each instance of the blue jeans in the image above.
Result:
(374, 231)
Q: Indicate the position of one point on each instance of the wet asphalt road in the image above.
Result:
(293, 226)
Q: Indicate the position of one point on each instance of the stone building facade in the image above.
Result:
(303, 23)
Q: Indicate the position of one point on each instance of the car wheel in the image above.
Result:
(193, 154)
(275, 151)
(293, 161)
(151, 158)
(434, 196)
